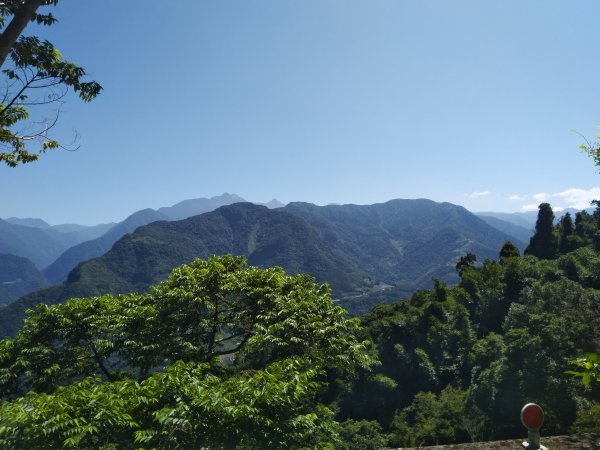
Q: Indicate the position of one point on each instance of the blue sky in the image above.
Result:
(325, 101)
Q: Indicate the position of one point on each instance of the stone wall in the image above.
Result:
(588, 441)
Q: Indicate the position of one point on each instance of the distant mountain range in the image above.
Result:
(523, 233)
(82, 232)
(40, 245)
(368, 253)
(57, 271)
(527, 219)
(189, 208)
(57, 249)
(18, 276)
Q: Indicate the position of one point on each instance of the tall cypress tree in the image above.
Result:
(579, 223)
(566, 230)
(543, 243)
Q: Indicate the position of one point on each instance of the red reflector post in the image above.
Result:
(532, 418)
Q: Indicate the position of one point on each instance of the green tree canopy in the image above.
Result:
(220, 355)
(35, 75)
(465, 262)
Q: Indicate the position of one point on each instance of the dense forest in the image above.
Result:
(457, 363)
(227, 355)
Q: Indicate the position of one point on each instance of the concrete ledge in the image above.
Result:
(587, 441)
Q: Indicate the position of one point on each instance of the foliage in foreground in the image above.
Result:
(220, 355)
(185, 406)
(35, 76)
(589, 368)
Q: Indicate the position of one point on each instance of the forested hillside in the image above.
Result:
(231, 356)
(57, 271)
(458, 362)
(404, 243)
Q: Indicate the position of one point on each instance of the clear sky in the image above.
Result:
(324, 101)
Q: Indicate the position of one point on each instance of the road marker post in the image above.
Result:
(532, 418)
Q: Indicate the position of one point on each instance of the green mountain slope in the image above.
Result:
(403, 242)
(266, 237)
(29, 222)
(57, 272)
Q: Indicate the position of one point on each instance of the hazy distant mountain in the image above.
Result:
(43, 243)
(523, 234)
(558, 215)
(273, 204)
(367, 253)
(29, 222)
(527, 219)
(41, 246)
(57, 272)
(75, 233)
(47, 245)
(84, 232)
(193, 207)
(18, 276)
(59, 248)
(523, 219)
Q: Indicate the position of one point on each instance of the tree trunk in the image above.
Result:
(16, 26)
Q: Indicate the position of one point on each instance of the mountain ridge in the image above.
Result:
(368, 253)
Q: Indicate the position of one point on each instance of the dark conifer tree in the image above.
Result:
(509, 250)
(543, 243)
(566, 230)
(579, 224)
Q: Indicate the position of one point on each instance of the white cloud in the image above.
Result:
(570, 198)
(579, 198)
(478, 194)
(530, 207)
(517, 198)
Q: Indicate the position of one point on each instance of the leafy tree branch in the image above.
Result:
(36, 75)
